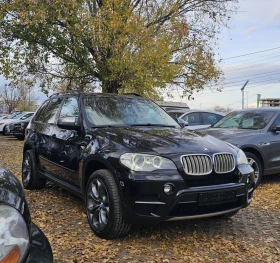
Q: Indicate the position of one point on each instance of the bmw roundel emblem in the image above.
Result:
(205, 150)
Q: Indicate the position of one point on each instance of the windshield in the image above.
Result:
(119, 111)
(19, 116)
(245, 120)
(14, 115)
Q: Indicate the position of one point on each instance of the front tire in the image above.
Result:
(254, 161)
(30, 179)
(103, 206)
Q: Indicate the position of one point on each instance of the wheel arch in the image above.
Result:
(255, 152)
(26, 147)
(94, 164)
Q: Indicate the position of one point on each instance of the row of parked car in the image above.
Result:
(132, 163)
(15, 123)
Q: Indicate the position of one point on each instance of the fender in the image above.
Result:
(100, 160)
(250, 146)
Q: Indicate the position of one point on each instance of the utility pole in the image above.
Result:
(242, 90)
(247, 98)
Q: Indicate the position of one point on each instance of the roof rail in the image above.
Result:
(74, 91)
(55, 94)
(65, 92)
(135, 94)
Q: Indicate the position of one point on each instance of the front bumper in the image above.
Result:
(15, 131)
(147, 203)
(40, 250)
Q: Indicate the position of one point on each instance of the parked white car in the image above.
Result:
(9, 116)
(4, 123)
(197, 119)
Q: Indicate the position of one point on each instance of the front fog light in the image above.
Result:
(168, 188)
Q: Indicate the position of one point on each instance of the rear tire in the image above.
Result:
(103, 206)
(254, 161)
(30, 179)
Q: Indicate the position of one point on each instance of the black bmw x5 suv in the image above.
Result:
(131, 162)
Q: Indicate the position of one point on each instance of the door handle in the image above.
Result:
(264, 144)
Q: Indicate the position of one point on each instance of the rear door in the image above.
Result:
(41, 130)
(64, 149)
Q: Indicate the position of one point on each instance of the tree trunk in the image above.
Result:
(111, 86)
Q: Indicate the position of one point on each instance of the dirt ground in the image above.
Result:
(253, 235)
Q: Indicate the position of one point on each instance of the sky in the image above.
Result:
(255, 28)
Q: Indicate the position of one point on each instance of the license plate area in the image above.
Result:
(216, 197)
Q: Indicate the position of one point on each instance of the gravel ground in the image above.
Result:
(253, 235)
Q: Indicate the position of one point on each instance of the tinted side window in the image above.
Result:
(41, 110)
(70, 108)
(49, 114)
(26, 116)
(276, 122)
(192, 118)
(209, 118)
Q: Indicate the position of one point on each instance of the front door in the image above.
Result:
(272, 149)
(64, 154)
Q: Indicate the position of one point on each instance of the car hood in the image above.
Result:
(8, 120)
(160, 140)
(227, 134)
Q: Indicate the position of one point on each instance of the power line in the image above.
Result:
(259, 80)
(260, 77)
(252, 95)
(255, 58)
(249, 76)
(253, 65)
(248, 87)
(252, 53)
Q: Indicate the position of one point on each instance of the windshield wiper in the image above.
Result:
(154, 125)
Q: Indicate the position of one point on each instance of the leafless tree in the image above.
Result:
(11, 96)
(28, 98)
(222, 109)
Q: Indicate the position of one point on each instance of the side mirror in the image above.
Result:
(69, 123)
(275, 129)
(182, 123)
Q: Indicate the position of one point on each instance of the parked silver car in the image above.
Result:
(197, 119)
(257, 133)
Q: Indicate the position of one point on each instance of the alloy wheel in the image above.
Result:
(255, 166)
(97, 204)
(26, 170)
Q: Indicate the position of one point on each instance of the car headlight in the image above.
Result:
(14, 238)
(241, 157)
(145, 162)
